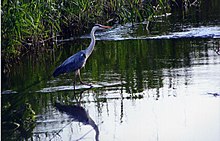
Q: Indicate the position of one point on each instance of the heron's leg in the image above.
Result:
(74, 82)
(82, 81)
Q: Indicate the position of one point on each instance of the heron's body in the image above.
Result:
(72, 64)
(75, 62)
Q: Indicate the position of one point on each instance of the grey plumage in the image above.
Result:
(75, 62)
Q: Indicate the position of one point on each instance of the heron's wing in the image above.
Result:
(72, 63)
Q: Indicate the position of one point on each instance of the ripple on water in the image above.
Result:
(79, 87)
(127, 32)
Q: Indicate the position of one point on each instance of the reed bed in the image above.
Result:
(28, 23)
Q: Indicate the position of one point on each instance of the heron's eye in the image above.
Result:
(83, 55)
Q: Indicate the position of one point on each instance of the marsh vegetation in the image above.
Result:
(33, 25)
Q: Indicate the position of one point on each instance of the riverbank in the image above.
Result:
(31, 26)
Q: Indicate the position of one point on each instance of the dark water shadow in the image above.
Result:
(77, 113)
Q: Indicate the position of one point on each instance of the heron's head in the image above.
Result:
(100, 27)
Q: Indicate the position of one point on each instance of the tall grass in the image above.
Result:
(26, 23)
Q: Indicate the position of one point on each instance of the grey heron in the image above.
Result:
(77, 61)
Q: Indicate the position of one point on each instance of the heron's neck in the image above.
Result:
(92, 44)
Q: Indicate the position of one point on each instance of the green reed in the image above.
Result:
(27, 23)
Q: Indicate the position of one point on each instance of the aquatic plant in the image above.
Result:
(18, 121)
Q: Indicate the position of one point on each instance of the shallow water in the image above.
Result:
(146, 86)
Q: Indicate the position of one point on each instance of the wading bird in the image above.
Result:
(75, 62)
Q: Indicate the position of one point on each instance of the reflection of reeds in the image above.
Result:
(26, 23)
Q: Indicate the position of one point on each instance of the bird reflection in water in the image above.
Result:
(78, 114)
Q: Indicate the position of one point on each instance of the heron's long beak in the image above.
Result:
(107, 27)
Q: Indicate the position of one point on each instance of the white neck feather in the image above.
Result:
(92, 43)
